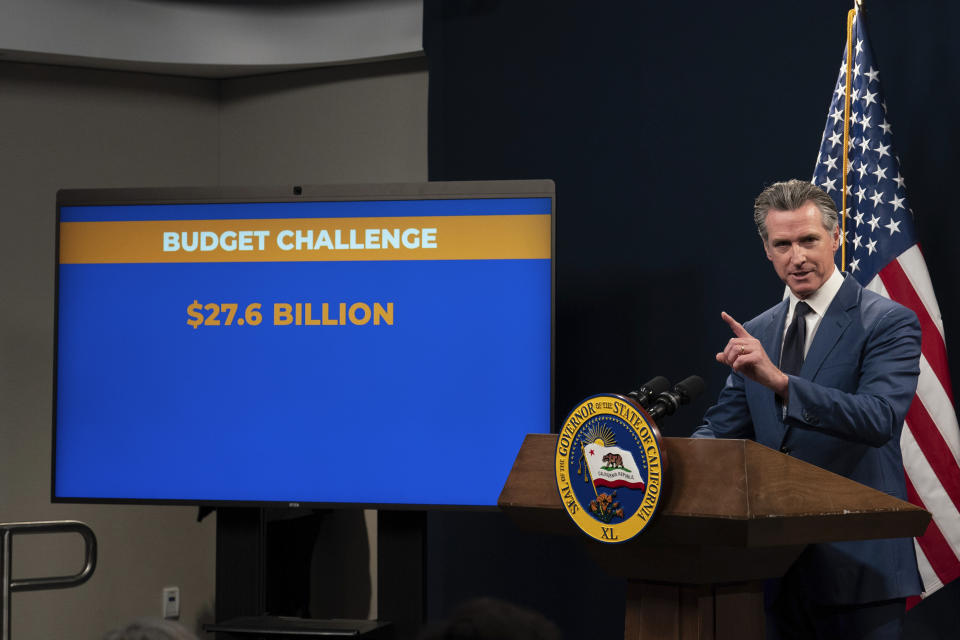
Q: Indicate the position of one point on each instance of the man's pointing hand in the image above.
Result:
(745, 355)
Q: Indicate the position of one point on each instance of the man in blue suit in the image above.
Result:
(827, 376)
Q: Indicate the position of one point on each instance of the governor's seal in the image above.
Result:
(609, 467)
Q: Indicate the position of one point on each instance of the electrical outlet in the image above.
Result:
(171, 603)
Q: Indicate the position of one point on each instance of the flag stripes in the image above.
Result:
(934, 449)
(898, 287)
(937, 550)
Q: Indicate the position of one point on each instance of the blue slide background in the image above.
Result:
(429, 410)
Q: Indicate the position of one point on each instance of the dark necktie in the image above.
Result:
(792, 357)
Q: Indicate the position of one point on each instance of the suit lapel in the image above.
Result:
(834, 323)
(772, 338)
(772, 341)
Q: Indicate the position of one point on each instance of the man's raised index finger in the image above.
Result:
(735, 326)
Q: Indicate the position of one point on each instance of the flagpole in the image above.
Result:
(846, 137)
(589, 475)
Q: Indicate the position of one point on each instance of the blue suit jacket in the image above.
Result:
(845, 414)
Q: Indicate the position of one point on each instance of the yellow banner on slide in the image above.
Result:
(490, 237)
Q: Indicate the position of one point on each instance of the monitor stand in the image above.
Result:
(242, 578)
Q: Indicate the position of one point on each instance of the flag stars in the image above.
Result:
(876, 199)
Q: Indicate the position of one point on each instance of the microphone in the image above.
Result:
(649, 391)
(682, 393)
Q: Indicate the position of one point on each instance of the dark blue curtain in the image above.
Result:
(659, 123)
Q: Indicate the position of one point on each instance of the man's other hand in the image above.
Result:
(745, 355)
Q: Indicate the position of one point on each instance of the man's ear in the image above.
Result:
(836, 238)
(766, 250)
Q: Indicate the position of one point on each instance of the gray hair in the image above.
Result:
(151, 629)
(790, 195)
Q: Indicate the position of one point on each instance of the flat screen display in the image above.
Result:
(380, 345)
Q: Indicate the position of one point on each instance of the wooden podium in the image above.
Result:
(734, 513)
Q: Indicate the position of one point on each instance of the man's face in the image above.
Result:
(800, 249)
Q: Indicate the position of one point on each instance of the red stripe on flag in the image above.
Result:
(934, 449)
(938, 551)
(934, 349)
(617, 484)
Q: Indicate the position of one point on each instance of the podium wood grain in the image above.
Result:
(733, 514)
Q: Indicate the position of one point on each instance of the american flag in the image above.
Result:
(883, 254)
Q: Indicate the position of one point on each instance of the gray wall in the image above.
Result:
(62, 128)
(362, 123)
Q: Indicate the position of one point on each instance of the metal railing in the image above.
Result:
(9, 585)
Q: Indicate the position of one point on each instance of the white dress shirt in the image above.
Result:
(819, 301)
